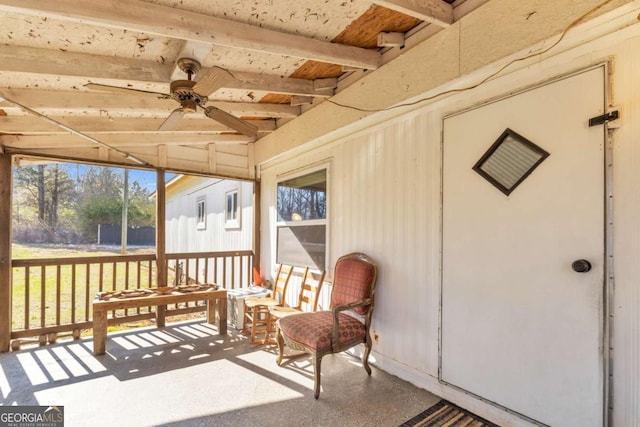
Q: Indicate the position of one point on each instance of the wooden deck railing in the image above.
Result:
(233, 268)
(55, 295)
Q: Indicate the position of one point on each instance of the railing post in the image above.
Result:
(5, 251)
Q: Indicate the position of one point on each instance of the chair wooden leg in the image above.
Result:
(270, 329)
(254, 325)
(282, 355)
(365, 357)
(280, 342)
(245, 321)
(316, 374)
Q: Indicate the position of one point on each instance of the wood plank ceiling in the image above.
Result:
(264, 61)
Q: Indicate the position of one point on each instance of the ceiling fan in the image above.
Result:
(188, 94)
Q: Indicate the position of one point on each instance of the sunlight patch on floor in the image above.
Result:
(5, 388)
(86, 358)
(124, 343)
(72, 365)
(30, 367)
(49, 363)
(139, 341)
(163, 335)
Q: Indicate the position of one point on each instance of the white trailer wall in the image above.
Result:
(384, 199)
(182, 231)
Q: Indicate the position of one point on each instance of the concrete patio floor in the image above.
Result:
(187, 375)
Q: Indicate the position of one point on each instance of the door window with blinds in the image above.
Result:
(302, 220)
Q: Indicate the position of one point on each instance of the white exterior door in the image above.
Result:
(520, 327)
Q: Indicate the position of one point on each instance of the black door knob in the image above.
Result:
(581, 266)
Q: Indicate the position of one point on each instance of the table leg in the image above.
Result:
(99, 332)
(161, 311)
(222, 316)
(217, 314)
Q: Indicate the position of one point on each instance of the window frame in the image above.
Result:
(201, 214)
(235, 222)
(297, 173)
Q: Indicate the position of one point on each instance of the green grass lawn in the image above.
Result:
(51, 289)
(45, 250)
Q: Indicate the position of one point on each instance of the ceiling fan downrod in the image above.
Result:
(182, 90)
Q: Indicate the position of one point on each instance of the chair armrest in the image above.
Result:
(335, 333)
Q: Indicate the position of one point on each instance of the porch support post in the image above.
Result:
(256, 225)
(5, 251)
(161, 250)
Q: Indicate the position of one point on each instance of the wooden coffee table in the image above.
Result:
(216, 310)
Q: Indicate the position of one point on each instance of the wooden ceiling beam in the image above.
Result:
(122, 72)
(136, 15)
(435, 12)
(251, 109)
(120, 140)
(133, 104)
(283, 85)
(29, 125)
(55, 63)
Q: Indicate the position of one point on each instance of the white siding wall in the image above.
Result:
(384, 195)
(182, 232)
(384, 199)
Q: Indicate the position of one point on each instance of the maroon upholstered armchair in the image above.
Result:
(325, 332)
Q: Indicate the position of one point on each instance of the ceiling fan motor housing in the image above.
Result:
(182, 91)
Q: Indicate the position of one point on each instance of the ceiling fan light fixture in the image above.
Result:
(189, 105)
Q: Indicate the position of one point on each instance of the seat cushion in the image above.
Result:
(314, 329)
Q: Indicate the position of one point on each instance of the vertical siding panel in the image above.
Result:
(626, 311)
(401, 299)
(387, 287)
(416, 137)
(432, 248)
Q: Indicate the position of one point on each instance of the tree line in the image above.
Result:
(52, 206)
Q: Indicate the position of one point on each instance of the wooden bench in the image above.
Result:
(216, 310)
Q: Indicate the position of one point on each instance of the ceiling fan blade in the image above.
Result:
(171, 122)
(231, 121)
(123, 90)
(211, 80)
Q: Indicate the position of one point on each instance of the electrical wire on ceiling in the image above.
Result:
(486, 79)
(75, 132)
